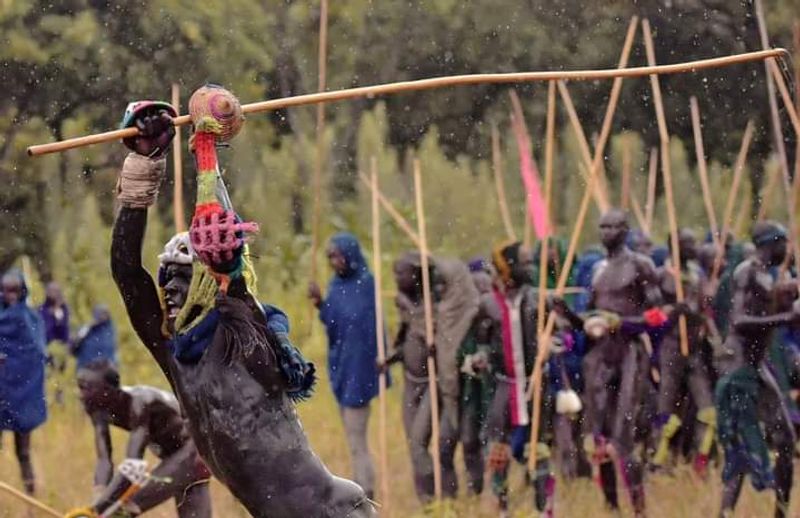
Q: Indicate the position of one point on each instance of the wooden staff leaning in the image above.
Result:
(667, 173)
(380, 336)
(320, 151)
(433, 391)
(702, 170)
(499, 184)
(177, 166)
(549, 151)
(590, 172)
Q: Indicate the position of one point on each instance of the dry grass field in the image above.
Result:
(64, 462)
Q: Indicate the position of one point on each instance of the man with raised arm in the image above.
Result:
(227, 356)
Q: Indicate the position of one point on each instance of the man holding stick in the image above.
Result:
(456, 302)
(512, 361)
(676, 369)
(624, 296)
(227, 356)
(748, 397)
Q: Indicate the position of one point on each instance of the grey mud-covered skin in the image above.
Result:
(616, 367)
(154, 421)
(758, 309)
(239, 416)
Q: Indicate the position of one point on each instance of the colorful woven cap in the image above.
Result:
(216, 110)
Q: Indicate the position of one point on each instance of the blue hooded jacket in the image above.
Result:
(348, 313)
(99, 343)
(22, 363)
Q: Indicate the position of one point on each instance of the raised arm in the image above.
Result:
(136, 285)
(137, 189)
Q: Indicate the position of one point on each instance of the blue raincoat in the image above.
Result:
(348, 313)
(98, 343)
(22, 364)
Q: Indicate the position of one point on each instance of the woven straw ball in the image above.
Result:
(219, 104)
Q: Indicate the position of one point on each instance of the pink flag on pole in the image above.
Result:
(537, 208)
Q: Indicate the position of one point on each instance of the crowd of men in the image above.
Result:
(634, 379)
(626, 391)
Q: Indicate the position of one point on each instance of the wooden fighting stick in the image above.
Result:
(30, 501)
(497, 169)
(702, 170)
(177, 166)
(398, 218)
(429, 336)
(727, 217)
(430, 84)
(652, 177)
(549, 150)
(792, 109)
(377, 272)
(320, 155)
(591, 173)
(594, 166)
(666, 169)
(521, 133)
(625, 184)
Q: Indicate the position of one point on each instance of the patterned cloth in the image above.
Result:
(739, 431)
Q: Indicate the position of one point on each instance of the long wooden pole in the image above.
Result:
(595, 166)
(521, 131)
(592, 177)
(790, 107)
(702, 169)
(320, 156)
(767, 192)
(433, 391)
(727, 217)
(652, 177)
(177, 166)
(398, 218)
(667, 173)
(434, 83)
(543, 260)
(32, 502)
(627, 163)
(499, 184)
(377, 272)
(777, 135)
(598, 193)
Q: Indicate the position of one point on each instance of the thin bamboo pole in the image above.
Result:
(398, 218)
(521, 131)
(702, 169)
(377, 273)
(650, 205)
(738, 171)
(592, 177)
(599, 195)
(428, 307)
(767, 193)
(320, 155)
(625, 187)
(499, 184)
(666, 169)
(32, 502)
(790, 107)
(639, 215)
(543, 260)
(177, 165)
(430, 84)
